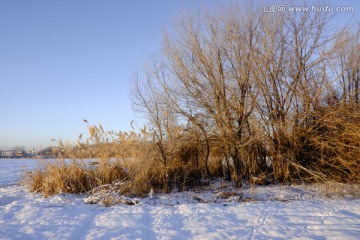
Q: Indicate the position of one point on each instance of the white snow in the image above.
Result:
(263, 213)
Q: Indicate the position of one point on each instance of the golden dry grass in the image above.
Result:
(77, 176)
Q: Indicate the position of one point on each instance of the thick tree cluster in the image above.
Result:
(254, 97)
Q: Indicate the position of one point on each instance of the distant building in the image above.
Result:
(18, 152)
(7, 153)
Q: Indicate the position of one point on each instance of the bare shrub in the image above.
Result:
(331, 144)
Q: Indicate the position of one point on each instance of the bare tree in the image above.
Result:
(349, 67)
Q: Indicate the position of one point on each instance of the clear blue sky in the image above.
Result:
(63, 61)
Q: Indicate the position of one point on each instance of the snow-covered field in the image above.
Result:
(263, 213)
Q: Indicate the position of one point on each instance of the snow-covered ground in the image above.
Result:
(261, 213)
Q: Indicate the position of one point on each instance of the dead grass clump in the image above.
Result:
(150, 173)
(77, 176)
(184, 175)
(226, 195)
(336, 190)
(144, 176)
